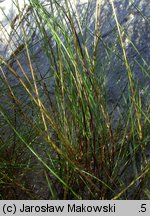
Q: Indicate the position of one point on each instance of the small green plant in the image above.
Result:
(71, 133)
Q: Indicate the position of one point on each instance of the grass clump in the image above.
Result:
(62, 119)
